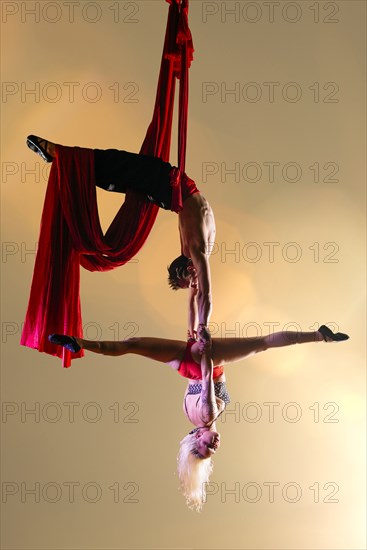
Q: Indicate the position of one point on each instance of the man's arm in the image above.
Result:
(204, 296)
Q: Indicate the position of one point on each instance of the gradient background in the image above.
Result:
(136, 449)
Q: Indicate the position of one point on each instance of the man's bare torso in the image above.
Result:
(196, 225)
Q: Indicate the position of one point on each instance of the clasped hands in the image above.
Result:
(203, 337)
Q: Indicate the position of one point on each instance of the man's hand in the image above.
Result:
(192, 336)
(205, 339)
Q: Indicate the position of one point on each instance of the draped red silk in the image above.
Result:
(71, 234)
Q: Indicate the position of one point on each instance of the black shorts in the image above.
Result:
(119, 170)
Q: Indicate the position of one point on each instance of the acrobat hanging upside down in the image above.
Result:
(71, 234)
(206, 393)
(118, 171)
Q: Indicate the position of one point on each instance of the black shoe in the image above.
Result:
(330, 336)
(34, 143)
(67, 342)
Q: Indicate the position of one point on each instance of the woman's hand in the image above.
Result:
(205, 339)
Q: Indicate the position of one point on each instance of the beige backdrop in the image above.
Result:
(277, 144)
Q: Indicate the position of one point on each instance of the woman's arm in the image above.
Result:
(209, 407)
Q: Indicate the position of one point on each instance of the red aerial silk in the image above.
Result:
(71, 233)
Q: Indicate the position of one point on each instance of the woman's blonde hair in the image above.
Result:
(193, 472)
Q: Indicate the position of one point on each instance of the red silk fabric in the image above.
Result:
(70, 233)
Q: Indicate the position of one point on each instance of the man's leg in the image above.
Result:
(118, 171)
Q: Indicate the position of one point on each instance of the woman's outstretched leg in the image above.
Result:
(158, 349)
(224, 350)
(229, 350)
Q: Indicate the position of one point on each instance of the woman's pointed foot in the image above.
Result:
(41, 147)
(68, 342)
(330, 336)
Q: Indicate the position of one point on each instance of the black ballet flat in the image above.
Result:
(330, 336)
(67, 342)
(34, 143)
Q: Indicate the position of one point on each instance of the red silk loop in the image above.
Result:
(183, 33)
(71, 235)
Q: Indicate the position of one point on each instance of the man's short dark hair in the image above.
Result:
(177, 270)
